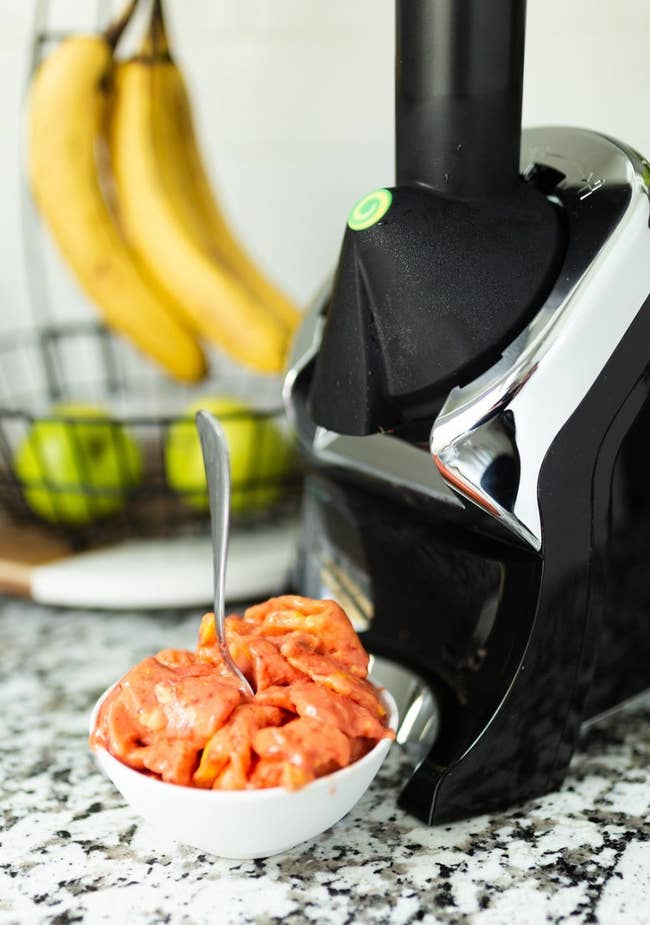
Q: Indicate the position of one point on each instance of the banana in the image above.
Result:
(169, 234)
(186, 181)
(66, 113)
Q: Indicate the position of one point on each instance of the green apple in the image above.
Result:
(261, 456)
(74, 470)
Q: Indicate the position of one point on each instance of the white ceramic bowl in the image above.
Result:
(246, 823)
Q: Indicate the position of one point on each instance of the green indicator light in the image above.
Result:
(370, 209)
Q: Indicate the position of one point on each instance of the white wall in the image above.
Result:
(295, 107)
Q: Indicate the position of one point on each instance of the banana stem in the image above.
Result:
(156, 42)
(113, 33)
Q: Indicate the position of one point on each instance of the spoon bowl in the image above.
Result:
(244, 824)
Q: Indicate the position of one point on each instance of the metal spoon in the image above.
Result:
(216, 460)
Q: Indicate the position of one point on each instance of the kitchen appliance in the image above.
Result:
(471, 396)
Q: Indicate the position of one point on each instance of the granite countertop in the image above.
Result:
(70, 851)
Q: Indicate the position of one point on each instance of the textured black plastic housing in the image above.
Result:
(427, 298)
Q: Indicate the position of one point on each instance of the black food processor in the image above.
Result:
(471, 397)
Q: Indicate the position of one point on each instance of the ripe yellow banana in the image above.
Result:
(188, 188)
(66, 115)
(168, 233)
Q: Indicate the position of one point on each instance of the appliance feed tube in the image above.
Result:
(459, 73)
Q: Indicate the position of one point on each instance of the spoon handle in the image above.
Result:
(216, 461)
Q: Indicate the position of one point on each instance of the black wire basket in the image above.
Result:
(44, 373)
(64, 360)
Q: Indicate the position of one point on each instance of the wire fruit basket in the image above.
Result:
(83, 363)
(54, 372)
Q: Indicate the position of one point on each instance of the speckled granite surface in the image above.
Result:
(70, 851)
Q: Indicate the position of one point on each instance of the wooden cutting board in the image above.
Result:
(22, 549)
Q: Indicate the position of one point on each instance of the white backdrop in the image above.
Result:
(295, 104)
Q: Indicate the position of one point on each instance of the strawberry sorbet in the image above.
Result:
(181, 716)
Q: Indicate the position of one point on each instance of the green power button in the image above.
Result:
(370, 209)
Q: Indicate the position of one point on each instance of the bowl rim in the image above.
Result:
(103, 755)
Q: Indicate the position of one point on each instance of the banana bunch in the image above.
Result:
(141, 229)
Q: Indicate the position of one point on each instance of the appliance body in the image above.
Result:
(489, 532)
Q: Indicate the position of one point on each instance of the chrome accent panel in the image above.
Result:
(381, 456)
(305, 344)
(492, 435)
(417, 705)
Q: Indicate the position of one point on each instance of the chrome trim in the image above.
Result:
(515, 410)
(417, 706)
(381, 456)
(305, 344)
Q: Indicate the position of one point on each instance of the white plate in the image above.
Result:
(167, 573)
